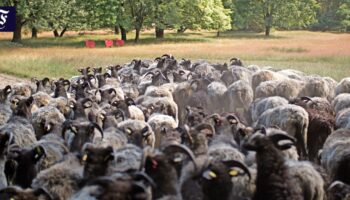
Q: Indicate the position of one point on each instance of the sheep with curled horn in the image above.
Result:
(211, 179)
(138, 132)
(77, 133)
(160, 166)
(236, 62)
(60, 88)
(339, 191)
(5, 108)
(279, 178)
(43, 85)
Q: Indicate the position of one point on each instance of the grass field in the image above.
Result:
(327, 54)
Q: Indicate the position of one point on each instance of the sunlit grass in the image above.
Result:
(326, 54)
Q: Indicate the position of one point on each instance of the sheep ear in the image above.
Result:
(66, 82)
(207, 129)
(42, 191)
(45, 81)
(276, 138)
(29, 101)
(263, 130)
(306, 98)
(39, 152)
(179, 148)
(233, 164)
(232, 119)
(209, 175)
(7, 90)
(145, 132)
(87, 103)
(94, 125)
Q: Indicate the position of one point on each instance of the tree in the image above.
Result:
(344, 14)
(266, 14)
(332, 15)
(218, 17)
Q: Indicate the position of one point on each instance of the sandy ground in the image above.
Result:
(10, 80)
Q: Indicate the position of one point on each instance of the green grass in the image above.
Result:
(309, 52)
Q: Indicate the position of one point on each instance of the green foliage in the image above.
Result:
(265, 14)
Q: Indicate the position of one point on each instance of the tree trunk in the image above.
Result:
(267, 31)
(159, 32)
(137, 36)
(34, 32)
(123, 33)
(55, 33)
(218, 34)
(116, 30)
(181, 30)
(63, 31)
(17, 34)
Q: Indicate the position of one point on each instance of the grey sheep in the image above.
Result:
(260, 105)
(239, 96)
(290, 118)
(158, 122)
(340, 102)
(343, 86)
(342, 119)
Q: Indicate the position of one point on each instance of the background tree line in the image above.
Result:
(59, 16)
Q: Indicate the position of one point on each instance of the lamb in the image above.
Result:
(5, 109)
(343, 86)
(290, 118)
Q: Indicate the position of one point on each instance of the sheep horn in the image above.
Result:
(66, 125)
(150, 72)
(305, 98)
(180, 148)
(235, 163)
(275, 138)
(138, 176)
(97, 127)
(206, 126)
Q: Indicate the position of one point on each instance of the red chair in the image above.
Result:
(109, 43)
(90, 44)
(120, 42)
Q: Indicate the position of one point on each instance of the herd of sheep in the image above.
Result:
(170, 129)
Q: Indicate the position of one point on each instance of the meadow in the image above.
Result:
(323, 53)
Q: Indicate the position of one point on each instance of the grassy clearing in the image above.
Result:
(327, 54)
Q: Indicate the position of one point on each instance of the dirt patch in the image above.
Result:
(10, 80)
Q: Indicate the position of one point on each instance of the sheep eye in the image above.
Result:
(128, 131)
(233, 172)
(85, 157)
(74, 129)
(209, 175)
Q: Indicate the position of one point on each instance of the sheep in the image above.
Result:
(160, 167)
(260, 105)
(287, 88)
(216, 92)
(293, 74)
(61, 180)
(317, 103)
(264, 75)
(5, 141)
(21, 166)
(274, 179)
(236, 74)
(5, 109)
(19, 124)
(158, 122)
(335, 155)
(127, 158)
(343, 86)
(41, 99)
(43, 85)
(77, 133)
(342, 119)
(240, 96)
(290, 118)
(211, 179)
(138, 132)
(22, 89)
(129, 109)
(317, 87)
(44, 114)
(340, 102)
(14, 192)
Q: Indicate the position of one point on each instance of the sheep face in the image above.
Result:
(80, 133)
(96, 160)
(21, 166)
(24, 108)
(260, 142)
(194, 116)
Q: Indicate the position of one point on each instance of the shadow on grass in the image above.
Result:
(245, 35)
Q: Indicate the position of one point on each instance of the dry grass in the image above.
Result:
(327, 54)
